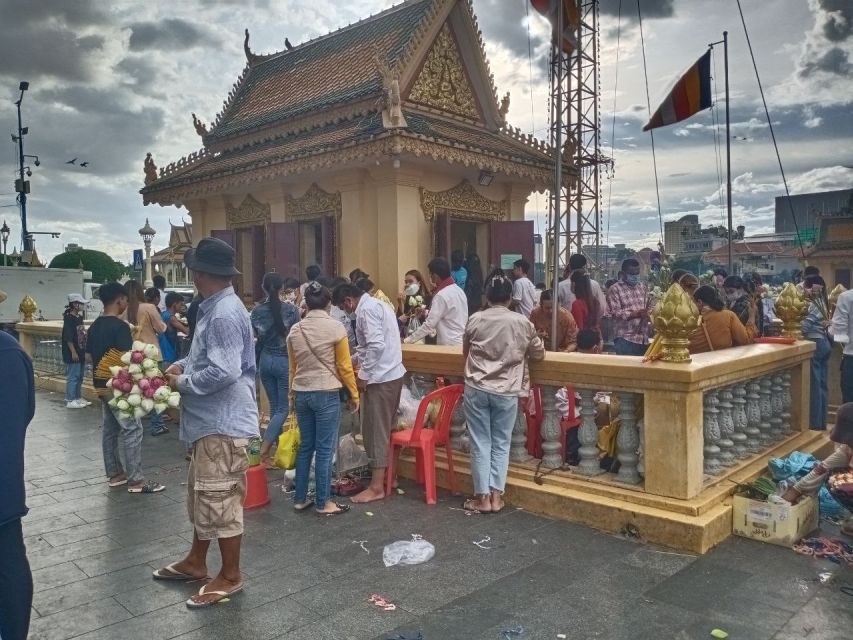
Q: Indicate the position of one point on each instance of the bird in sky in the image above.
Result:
(287, 44)
(84, 164)
(72, 161)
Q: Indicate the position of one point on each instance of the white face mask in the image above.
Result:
(412, 289)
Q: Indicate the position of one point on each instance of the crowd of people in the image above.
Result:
(333, 344)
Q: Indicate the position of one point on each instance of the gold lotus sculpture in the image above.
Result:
(834, 295)
(28, 307)
(791, 308)
(675, 319)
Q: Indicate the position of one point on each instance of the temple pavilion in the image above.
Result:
(376, 146)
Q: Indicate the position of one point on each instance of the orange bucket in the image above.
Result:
(257, 490)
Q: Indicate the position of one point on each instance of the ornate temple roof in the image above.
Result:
(413, 79)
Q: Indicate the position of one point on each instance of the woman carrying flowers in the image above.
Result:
(412, 302)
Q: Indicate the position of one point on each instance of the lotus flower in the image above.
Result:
(174, 400)
(137, 357)
(162, 394)
(151, 351)
(134, 400)
(148, 393)
(139, 413)
(122, 404)
(144, 384)
(126, 387)
(147, 404)
(160, 407)
(117, 393)
(112, 402)
(148, 363)
(134, 368)
(125, 358)
(138, 345)
(114, 370)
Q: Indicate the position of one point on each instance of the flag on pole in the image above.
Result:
(690, 95)
(571, 20)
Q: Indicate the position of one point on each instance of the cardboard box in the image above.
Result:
(780, 524)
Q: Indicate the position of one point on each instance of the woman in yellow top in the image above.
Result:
(320, 365)
(720, 328)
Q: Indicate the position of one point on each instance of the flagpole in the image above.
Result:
(728, 149)
(558, 172)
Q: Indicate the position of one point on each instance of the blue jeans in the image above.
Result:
(490, 419)
(623, 347)
(121, 442)
(846, 379)
(74, 380)
(819, 396)
(275, 376)
(319, 416)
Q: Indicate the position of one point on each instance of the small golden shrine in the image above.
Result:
(376, 146)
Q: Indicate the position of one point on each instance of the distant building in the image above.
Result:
(170, 261)
(808, 208)
(765, 255)
(833, 251)
(685, 237)
(72, 246)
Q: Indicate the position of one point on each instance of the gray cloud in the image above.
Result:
(38, 49)
(838, 19)
(74, 14)
(650, 8)
(171, 34)
(834, 60)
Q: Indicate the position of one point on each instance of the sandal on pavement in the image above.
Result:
(148, 487)
(170, 573)
(117, 483)
(220, 595)
(341, 508)
(304, 506)
(468, 505)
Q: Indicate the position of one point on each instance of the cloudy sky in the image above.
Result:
(111, 81)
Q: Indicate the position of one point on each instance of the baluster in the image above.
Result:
(627, 441)
(777, 427)
(786, 402)
(739, 437)
(588, 435)
(641, 449)
(518, 442)
(711, 434)
(551, 432)
(766, 404)
(727, 427)
(753, 416)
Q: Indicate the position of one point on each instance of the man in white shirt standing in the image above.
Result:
(523, 291)
(448, 312)
(380, 379)
(159, 283)
(842, 330)
(566, 296)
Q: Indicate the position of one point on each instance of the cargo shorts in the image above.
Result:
(216, 486)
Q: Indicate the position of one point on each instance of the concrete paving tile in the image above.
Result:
(82, 619)
(156, 595)
(72, 595)
(260, 623)
(33, 490)
(828, 616)
(699, 586)
(73, 551)
(40, 500)
(56, 576)
(128, 557)
(47, 525)
(364, 621)
(162, 624)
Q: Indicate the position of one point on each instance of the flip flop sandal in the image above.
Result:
(467, 507)
(220, 595)
(170, 573)
(305, 506)
(148, 487)
(117, 483)
(342, 508)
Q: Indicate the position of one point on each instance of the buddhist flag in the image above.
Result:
(691, 94)
(571, 20)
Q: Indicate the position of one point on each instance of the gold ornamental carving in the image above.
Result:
(676, 318)
(313, 204)
(462, 201)
(443, 83)
(27, 308)
(250, 213)
(834, 295)
(791, 308)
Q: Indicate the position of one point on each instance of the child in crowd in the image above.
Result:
(175, 306)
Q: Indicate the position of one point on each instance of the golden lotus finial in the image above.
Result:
(28, 307)
(791, 308)
(834, 295)
(676, 318)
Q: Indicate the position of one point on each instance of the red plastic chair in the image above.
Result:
(424, 441)
(534, 422)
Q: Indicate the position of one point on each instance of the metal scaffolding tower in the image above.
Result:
(575, 128)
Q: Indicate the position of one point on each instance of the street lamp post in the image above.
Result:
(147, 233)
(4, 236)
(23, 185)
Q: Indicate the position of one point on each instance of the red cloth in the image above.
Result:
(444, 283)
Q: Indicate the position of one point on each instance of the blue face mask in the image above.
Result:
(632, 280)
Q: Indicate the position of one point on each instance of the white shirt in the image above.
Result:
(447, 317)
(343, 317)
(162, 304)
(524, 295)
(842, 322)
(565, 295)
(379, 353)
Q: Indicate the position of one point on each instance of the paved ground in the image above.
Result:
(93, 549)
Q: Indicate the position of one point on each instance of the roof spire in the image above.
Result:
(250, 57)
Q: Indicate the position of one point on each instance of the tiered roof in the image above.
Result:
(322, 103)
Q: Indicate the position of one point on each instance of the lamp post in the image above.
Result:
(147, 233)
(22, 185)
(4, 236)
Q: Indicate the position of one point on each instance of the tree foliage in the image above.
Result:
(103, 267)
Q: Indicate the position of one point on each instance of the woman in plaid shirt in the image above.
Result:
(630, 305)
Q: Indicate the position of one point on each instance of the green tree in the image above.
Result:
(103, 267)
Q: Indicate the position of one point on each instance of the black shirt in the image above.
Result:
(17, 397)
(107, 332)
(70, 329)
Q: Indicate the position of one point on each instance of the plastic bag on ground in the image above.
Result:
(797, 464)
(407, 411)
(414, 551)
(350, 455)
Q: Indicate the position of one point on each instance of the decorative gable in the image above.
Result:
(443, 83)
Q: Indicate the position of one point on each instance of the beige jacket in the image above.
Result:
(316, 371)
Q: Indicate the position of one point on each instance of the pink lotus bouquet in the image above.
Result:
(139, 387)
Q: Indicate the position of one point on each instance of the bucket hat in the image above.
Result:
(212, 256)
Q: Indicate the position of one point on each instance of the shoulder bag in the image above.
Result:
(344, 391)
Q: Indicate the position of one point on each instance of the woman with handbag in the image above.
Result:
(720, 328)
(271, 321)
(320, 368)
